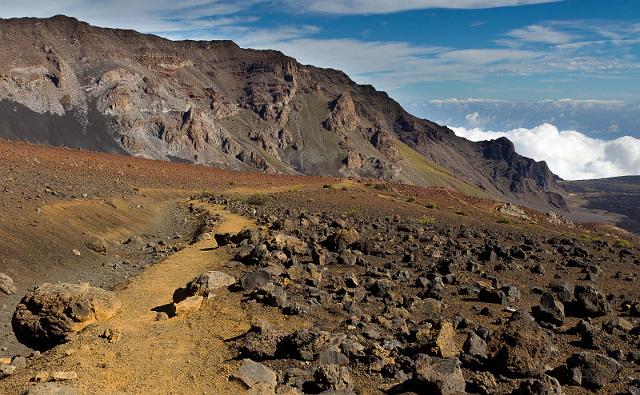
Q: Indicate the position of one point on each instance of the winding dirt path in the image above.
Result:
(177, 355)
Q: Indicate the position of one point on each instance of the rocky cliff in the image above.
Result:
(217, 104)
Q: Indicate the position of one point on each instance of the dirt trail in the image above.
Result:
(177, 355)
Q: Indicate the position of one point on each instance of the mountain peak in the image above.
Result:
(247, 109)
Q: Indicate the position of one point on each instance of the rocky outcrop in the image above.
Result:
(343, 117)
(51, 312)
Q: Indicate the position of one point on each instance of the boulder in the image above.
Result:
(438, 375)
(252, 280)
(543, 385)
(483, 383)
(445, 344)
(475, 346)
(188, 305)
(97, 244)
(333, 378)
(51, 389)
(521, 349)
(204, 285)
(549, 310)
(7, 370)
(592, 371)
(288, 243)
(51, 312)
(6, 284)
(342, 239)
(256, 375)
(563, 290)
(589, 302)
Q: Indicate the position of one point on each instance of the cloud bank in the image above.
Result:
(606, 119)
(570, 154)
(367, 7)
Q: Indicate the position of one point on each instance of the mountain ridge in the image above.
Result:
(215, 103)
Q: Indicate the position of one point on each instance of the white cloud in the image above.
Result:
(390, 65)
(595, 117)
(470, 100)
(474, 119)
(542, 34)
(570, 154)
(367, 7)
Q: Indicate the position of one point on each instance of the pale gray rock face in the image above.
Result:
(51, 312)
(217, 104)
(254, 374)
(6, 284)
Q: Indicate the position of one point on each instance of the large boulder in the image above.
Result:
(589, 302)
(521, 349)
(256, 376)
(51, 312)
(438, 375)
(342, 239)
(591, 370)
(549, 310)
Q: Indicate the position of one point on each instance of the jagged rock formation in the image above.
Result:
(215, 103)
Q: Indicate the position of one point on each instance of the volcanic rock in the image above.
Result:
(51, 312)
(204, 285)
(438, 376)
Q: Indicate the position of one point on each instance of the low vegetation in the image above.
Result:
(257, 199)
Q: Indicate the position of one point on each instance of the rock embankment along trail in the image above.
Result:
(136, 353)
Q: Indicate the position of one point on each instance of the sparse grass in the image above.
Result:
(257, 199)
(622, 243)
(411, 199)
(431, 205)
(426, 220)
(503, 220)
(382, 187)
(353, 213)
(205, 194)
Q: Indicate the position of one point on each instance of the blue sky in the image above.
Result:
(476, 64)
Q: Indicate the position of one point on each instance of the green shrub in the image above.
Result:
(426, 220)
(257, 199)
(622, 243)
(503, 220)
